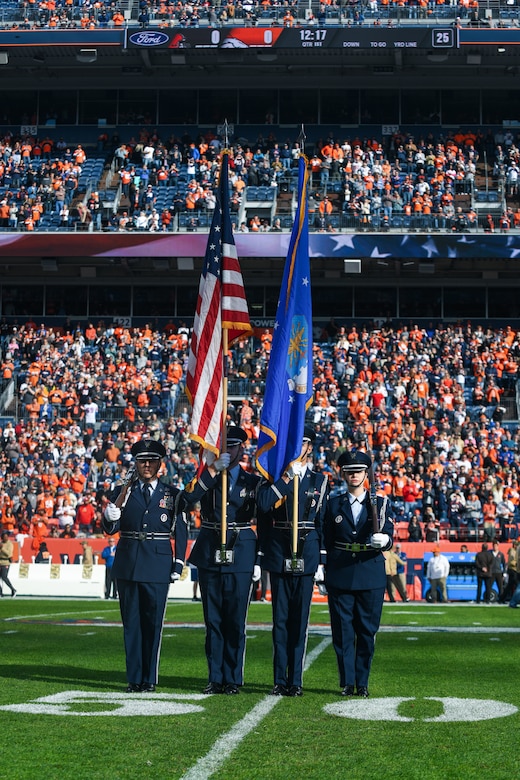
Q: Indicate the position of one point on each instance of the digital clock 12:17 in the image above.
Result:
(311, 36)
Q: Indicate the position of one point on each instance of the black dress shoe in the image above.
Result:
(278, 690)
(133, 688)
(148, 688)
(363, 692)
(348, 690)
(231, 689)
(295, 690)
(213, 688)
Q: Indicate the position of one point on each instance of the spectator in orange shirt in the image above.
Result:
(77, 481)
(85, 514)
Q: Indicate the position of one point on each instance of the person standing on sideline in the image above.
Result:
(108, 554)
(355, 571)
(484, 561)
(513, 559)
(143, 511)
(497, 570)
(437, 573)
(401, 569)
(393, 561)
(515, 598)
(87, 556)
(225, 588)
(291, 590)
(6, 556)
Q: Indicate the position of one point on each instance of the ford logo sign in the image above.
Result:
(149, 38)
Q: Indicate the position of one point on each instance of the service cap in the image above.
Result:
(148, 448)
(308, 434)
(354, 461)
(235, 435)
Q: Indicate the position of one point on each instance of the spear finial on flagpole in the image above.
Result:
(226, 134)
(301, 139)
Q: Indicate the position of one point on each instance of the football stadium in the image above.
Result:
(343, 174)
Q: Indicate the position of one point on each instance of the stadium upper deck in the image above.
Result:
(402, 62)
(439, 52)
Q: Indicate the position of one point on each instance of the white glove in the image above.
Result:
(174, 576)
(320, 574)
(222, 462)
(379, 540)
(295, 469)
(209, 457)
(257, 573)
(112, 513)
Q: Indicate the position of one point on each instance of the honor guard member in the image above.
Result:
(225, 588)
(143, 512)
(355, 571)
(292, 588)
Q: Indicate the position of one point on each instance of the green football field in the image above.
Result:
(444, 699)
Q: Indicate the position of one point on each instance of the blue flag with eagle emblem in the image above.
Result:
(289, 388)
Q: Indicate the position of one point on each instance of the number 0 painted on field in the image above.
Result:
(454, 709)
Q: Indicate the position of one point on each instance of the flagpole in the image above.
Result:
(295, 564)
(223, 434)
(295, 520)
(223, 448)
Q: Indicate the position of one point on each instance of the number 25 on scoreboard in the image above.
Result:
(442, 38)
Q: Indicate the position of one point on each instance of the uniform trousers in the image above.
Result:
(142, 605)
(225, 600)
(291, 597)
(355, 616)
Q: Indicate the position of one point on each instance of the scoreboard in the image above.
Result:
(298, 38)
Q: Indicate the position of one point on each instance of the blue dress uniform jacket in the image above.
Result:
(275, 522)
(143, 566)
(355, 581)
(240, 512)
(291, 592)
(225, 588)
(355, 569)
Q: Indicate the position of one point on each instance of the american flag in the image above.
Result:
(221, 304)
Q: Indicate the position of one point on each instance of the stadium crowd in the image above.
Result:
(88, 15)
(426, 182)
(426, 401)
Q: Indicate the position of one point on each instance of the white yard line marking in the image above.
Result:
(53, 615)
(223, 747)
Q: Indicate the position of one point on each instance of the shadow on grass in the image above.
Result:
(96, 679)
(74, 677)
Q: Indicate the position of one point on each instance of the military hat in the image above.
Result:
(148, 448)
(235, 435)
(308, 434)
(354, 461)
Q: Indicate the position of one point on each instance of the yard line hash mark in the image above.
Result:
(226, 744)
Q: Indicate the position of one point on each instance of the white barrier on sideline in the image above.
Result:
(73, 581)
